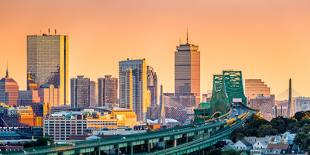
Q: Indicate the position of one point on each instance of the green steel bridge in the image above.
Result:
(188, 139)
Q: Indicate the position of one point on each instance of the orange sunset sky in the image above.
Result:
(267, 39)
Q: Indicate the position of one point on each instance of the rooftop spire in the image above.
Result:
(187, 36)
(7, 70)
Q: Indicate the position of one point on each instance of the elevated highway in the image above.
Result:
(179, 140)
(227, 99)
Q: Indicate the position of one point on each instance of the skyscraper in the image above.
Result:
(80, 92)
(47, 62)
(152, 112)
(133, 86)
(187, 70)
(107, 91)
(8, 90)
(152, 84)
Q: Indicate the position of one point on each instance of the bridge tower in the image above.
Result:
(219, 101)
(234, 86)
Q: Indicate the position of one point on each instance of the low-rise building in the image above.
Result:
(62, 125)
(273, 149)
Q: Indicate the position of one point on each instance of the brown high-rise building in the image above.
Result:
(256, 87)
(107, 91)
(8, 90)
(187, 72)
(187, 69)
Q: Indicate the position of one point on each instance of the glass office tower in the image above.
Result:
(47, 62)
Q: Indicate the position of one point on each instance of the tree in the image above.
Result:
(42, 141)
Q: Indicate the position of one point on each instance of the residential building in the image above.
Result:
(273, 149)
(8, 90)
(80, 92)
(107, 91)
(259, 147)
(133, 91)
(47, 62)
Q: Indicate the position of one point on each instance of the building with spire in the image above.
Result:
(187, 72)
(8, 90)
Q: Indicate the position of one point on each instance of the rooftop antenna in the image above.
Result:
(49, 31)
(7, 70)
(187, 36)
(180, 41)
(55, 31)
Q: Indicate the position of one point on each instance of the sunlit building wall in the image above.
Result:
(59, 126)
(256, 87)
(125, 117)
(26, 115)
(49, 94)
(47, 62)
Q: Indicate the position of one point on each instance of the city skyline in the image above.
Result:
(283, 38)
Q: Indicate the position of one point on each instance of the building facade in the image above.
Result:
(47, 63)
(187, 73)
(107, 91)
(187, 69)
(93, 93)
(8, 90)
(49, 94)
(61, 125)
(256, 87)
(80, 92)
(133, 91)
(264, 104)
(152, 85)
(301, 104)
(27, 97)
